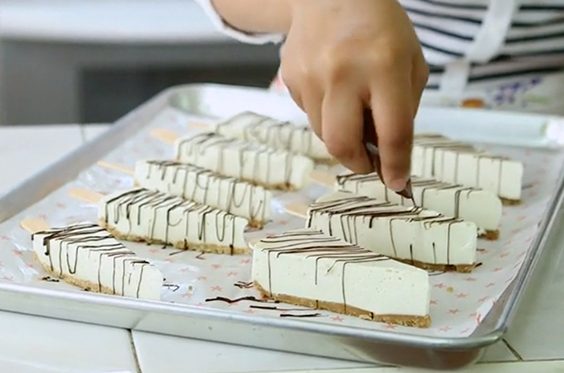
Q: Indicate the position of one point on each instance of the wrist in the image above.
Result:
(256, 16)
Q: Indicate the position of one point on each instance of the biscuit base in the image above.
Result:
(181, 245)
(404, 320)
(83, 284)
(510, 202)
(257, 224)
(461, 268)
(490, 235)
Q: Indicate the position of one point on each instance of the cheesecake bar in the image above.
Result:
(416, 236)
(255, 163)
(311, 269)
(472, 204)
(87, 255)
(454, 162)
(277, 134)
(206, 187)
(154, 217)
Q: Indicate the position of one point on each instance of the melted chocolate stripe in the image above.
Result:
(196, 149)
(93, 238)
(156, 207)
(354, 210)
(317, 246)
(353, 182)
(268, 131)
(441, 147)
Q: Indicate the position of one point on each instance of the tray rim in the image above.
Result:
(10, 207)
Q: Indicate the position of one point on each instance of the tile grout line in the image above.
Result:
(134, 348)
(513, 350)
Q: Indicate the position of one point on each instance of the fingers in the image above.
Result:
(419, 78)
(303, 87)
(312, 100)
(343, 129)
(392, 110)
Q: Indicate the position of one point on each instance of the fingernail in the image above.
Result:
(397, 185)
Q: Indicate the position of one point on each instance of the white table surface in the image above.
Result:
(535, 343)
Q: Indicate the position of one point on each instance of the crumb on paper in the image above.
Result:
(49, 279)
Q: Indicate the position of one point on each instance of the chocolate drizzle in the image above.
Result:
(345, 217)
(173, 287)
(300, 315)
(317, 246)
(73, 240)
(260, 129)
(276, 308)
(249, 298)
(255, 163)
(244, 284)
(142, 211)
(437, 149)
(372, 184)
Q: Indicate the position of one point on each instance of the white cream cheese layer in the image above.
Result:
(88, 255)
(400, 232)
(247, 161)
(206, 187)
(476, 205)
(157, 217)
(261, 129)
(311, 265)
(453, 162)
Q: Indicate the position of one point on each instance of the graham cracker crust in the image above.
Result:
(181, 245)
(510, 202)
(83, 284)
(404, 320)
(490, 235)
(461, 268)
(258, 224)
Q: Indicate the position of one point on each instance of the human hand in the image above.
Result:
(342, 59)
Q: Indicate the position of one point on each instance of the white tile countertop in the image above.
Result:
(535, 342)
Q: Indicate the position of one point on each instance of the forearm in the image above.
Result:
(256, 16)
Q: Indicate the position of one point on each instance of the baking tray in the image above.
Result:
(354, 343)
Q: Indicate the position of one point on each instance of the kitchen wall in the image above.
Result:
(65, 61)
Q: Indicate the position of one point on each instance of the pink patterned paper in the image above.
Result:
(459, 301)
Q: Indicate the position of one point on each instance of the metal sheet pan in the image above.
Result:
(281, 334)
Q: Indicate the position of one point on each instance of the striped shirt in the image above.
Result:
(472, 41)
(530, 36)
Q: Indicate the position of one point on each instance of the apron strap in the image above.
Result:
(487, 42)
(491, 36)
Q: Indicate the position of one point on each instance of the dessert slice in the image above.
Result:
(476, 205)
(453, 162)
(312, 269)
(154, 217)
(86, 255)
(206, 187)
(261, 129)
(255, 163)
(421, 237)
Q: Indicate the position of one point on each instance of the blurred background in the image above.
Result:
(85, 61)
